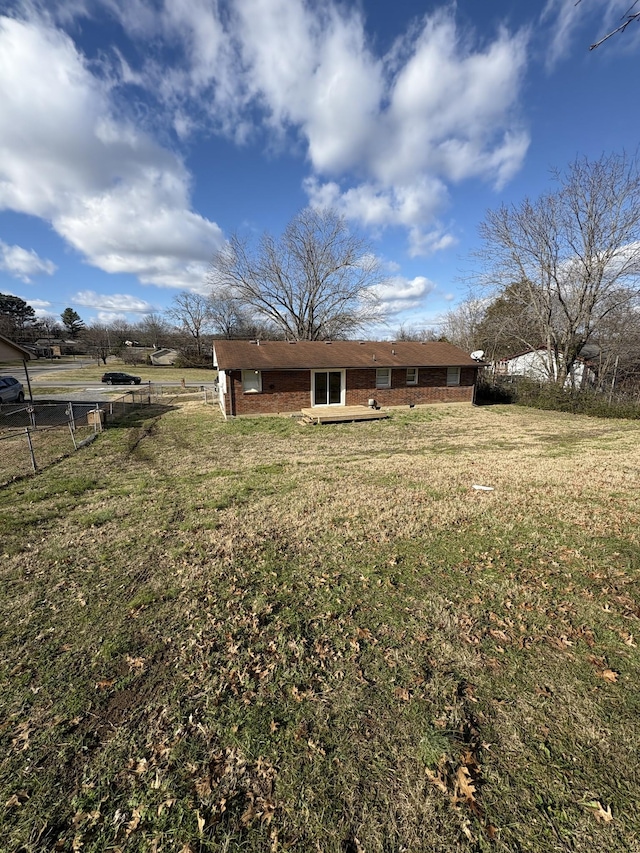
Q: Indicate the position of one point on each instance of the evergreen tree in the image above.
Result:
(72, 322)
(15, 314)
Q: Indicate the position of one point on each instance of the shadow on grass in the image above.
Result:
(138, 416)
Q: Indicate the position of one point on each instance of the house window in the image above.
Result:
(453, 375)
(412, 375)
(383, 377)
(251, 381)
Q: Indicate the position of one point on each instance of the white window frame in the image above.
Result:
(343, 386)
(251, 381)
(413, 370)
(453, 376)
(379, 382)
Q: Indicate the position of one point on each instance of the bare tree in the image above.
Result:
(411, 333)
(228, 317)
(575, 253)
(316, 281)
(153, 330)
(98, 339)
(628, 18)
(192, 313)
(460, 325)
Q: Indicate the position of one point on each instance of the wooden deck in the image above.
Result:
(336, 414)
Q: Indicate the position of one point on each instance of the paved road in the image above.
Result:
(82, 393)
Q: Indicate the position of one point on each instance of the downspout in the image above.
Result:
(232, 397)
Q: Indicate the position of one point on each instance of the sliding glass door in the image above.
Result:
(328, 388)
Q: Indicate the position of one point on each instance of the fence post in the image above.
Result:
(73, 438)
(33, 457)
(72, 423)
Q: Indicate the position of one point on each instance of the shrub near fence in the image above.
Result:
(547, 395)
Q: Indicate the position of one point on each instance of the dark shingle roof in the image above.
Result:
(305, 355)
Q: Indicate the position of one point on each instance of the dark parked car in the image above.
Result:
(121, 379)
(11, 391)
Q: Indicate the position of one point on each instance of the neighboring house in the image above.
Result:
(58, 347)
(10, 351)
(164, 357)
(271, 377)
(535, 364)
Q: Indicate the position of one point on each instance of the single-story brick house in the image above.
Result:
(273, 377)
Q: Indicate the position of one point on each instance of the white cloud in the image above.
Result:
(42, 307)
(400, 294)
(108, 317)
(115, 303)
(23, 263)
(433, 112)
(107, 188)
(384, 135)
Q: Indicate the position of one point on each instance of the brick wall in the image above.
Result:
(290, 390)
(431, 387)
(282, 391)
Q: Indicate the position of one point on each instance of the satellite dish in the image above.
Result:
(478, 355)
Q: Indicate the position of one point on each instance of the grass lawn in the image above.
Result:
(255, 636)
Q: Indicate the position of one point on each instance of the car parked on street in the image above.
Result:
(11, 391)
(121, 379)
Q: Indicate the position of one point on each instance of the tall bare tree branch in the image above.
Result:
(316, 281)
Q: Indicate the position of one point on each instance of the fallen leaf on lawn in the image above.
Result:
(166, 805)
(603, 814)
(201, 822)
(134, 822)
(609, 675)
(464, 784)
(599, 812)
(402, 693)
(16, 800)
(437, 781)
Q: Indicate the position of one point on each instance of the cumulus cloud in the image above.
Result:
(23, 263)
(400, 294)
(115, 195)
(42, 307)
(433, 112)
(115, 303)
(384, 135)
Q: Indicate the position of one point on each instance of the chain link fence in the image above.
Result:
(33, 436)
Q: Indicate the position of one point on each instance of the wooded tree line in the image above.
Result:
(317, 281)
(561, 273)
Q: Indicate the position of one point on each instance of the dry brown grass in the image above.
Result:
(256, 635)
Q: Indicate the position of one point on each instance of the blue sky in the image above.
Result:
(137, 135)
